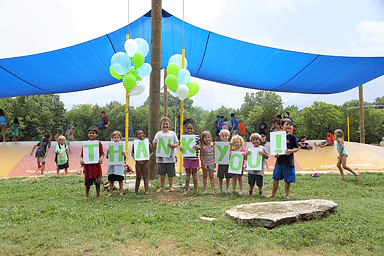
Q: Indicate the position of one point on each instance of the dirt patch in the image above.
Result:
(171, 198)
(4, 178)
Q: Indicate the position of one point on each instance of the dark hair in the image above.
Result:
(329, 131)
(225, 119)
(188, 121)
(218, 116)
(222, 117)
(191, 123)
(285, 120)
(93, 129)
(2, 112)
(46, 136)
(102, 112)
(232, 115)
(278, 116)
(303, 136)
(140, 130)
(16, 120)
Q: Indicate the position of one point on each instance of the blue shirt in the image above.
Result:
(263, 127)
(217, 128)
(235, 124)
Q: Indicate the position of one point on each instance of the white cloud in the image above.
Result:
(371, 32)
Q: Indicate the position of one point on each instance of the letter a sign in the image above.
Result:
(141, 149)
(91, 152)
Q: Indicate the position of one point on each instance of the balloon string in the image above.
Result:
(182, 40)
(128, 22)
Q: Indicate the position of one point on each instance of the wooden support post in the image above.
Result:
(165, 95)
(361, 101)
(154, 91)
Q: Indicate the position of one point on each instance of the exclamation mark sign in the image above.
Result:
(278, 144)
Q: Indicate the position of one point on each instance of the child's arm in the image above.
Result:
(33, 149)
(101, 159)
(46, 151)
(151, 150)
(341, 147)
(94, 110)
(265, 155)
(202, 158)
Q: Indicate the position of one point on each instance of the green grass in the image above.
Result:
(49, 216)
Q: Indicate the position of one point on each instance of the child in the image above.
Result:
(222, 170)
(302, 144)
(237, 144)
(273, 127)
(235, 125)
(115, 171)
(255, 176)
(166, 165)
(382, 142)
(227, 123)
(285, 165)
(328, 141)
(207, 158)
(61, 155)
(342, 157)
(15, 129)
(92, 172)
(278, 126)
(70, 133)
(263, 140)
(42, 151)
(263, 127)
(142, 167)
(3, 120)
(104, 119)
(191, 164)
(241, 127)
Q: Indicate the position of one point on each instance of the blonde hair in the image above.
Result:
(224, 131)
(117, 133)
(255, 136)
(237, 138)
(339, 134)
(61, 137)
(202, 136)
(165, 118)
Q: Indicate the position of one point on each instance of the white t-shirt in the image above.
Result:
(381, 143)
(166, 135)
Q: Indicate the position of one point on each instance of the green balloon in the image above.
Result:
(171, 82)
(132, 70)
(139, 79)
(193, 88)
(136, 74)
(114, 74)
(138, 59)
(173, 69)
(129, 82)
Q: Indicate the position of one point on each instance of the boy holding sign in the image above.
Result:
(116, 155)
(92, 155)
(285, 165)
(255, 163)
(222, 150)
(144, 151)
(165, 141)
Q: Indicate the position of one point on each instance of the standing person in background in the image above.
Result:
(242, 130)
(235, 125)
(263, 127)
(227, 123)
(278, 118)
(15, 129)
(42, 152)
(273, 127)
(3, 122)
(217, 128)
(70, 133)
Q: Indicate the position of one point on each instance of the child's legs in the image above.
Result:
(234, 180)
(227, 180)
(287, 188)
(145, 171)
(66, 171)
(221, 183)
(97, 190)
(194, 177)
(240, 178)
(339, 166)
(121, 187)
(139, 169)
(3, 129)
(212, 179)
(187, 178)
(111, 186)
(162, 181)
(275, 187)
(170, 181)
(87, 191)
(205, 177)
(42, 168)
(344, 163)
(57, 170)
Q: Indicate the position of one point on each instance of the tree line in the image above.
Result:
(39, 114)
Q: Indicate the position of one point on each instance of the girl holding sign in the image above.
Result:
(142, 166)
(207, 158)
(237, 144)
(285, 164)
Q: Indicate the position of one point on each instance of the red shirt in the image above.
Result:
(93, 171)
(330, 139)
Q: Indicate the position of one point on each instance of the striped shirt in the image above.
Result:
(208, 156)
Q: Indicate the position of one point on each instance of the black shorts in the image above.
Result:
(63, 166)
(90, 182)
(222, 171)
(255, 178)
(217, 133)
(114, 177)
(166, 169)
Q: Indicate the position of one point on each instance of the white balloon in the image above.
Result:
(130, 47)
(183, 76)
(138, 89)
(142, 46)
(176, 58)
(144, 70)
(182, 91)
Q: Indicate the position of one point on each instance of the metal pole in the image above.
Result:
(154, 91)
(361, 101)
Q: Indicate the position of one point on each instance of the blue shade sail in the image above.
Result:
(210, 56)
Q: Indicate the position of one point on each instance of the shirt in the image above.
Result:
(260, 172)
(235, 124)
(168, 135)
(263, 127)
(330, 139)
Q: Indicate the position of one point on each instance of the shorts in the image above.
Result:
(190, 163)
(255, 178)
(210, 167)
(284, 172)
(90, 182)
(234, 132)
(217, 133)
(41, 159)
(114, 177)
(100, 127)
(222, 171)
(166, 168)
(62, 166)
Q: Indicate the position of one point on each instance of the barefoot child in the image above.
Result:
(256, 176)
(15, 125)
(92, 172)
(42, 152)
(61, 155)
(191, 164)
(237, 144)
(342, 157)
(115, 171)
(207, 158)
(166, 165)
(142, 167)
(285, 165)
(222, 169)
(3, 123)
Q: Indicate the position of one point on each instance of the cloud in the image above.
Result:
(371, 32)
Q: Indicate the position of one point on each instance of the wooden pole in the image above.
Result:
(165, 95)
(154, 91)
(361, 101)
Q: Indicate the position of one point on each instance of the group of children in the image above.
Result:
(15, 125)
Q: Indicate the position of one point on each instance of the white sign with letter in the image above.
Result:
(162, 149)
(116, 150)
(187, 142)
(278, 143)
(91, 152)
(141, 149)
(222, 152)
(254, 160)
(236, 163)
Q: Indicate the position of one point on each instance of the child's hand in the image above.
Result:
(100, 160)
(249, 152)
(171, 145)
(195, 148)
(108, 151)
(61, 154)
(276, 156)
(123, 153)
(31, 152)
(82, 162)
(338, 157)
(181, 149)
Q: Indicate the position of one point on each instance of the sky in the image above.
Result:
(332, 27)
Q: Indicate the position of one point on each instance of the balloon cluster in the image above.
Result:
(179, 79)
(130, 66)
